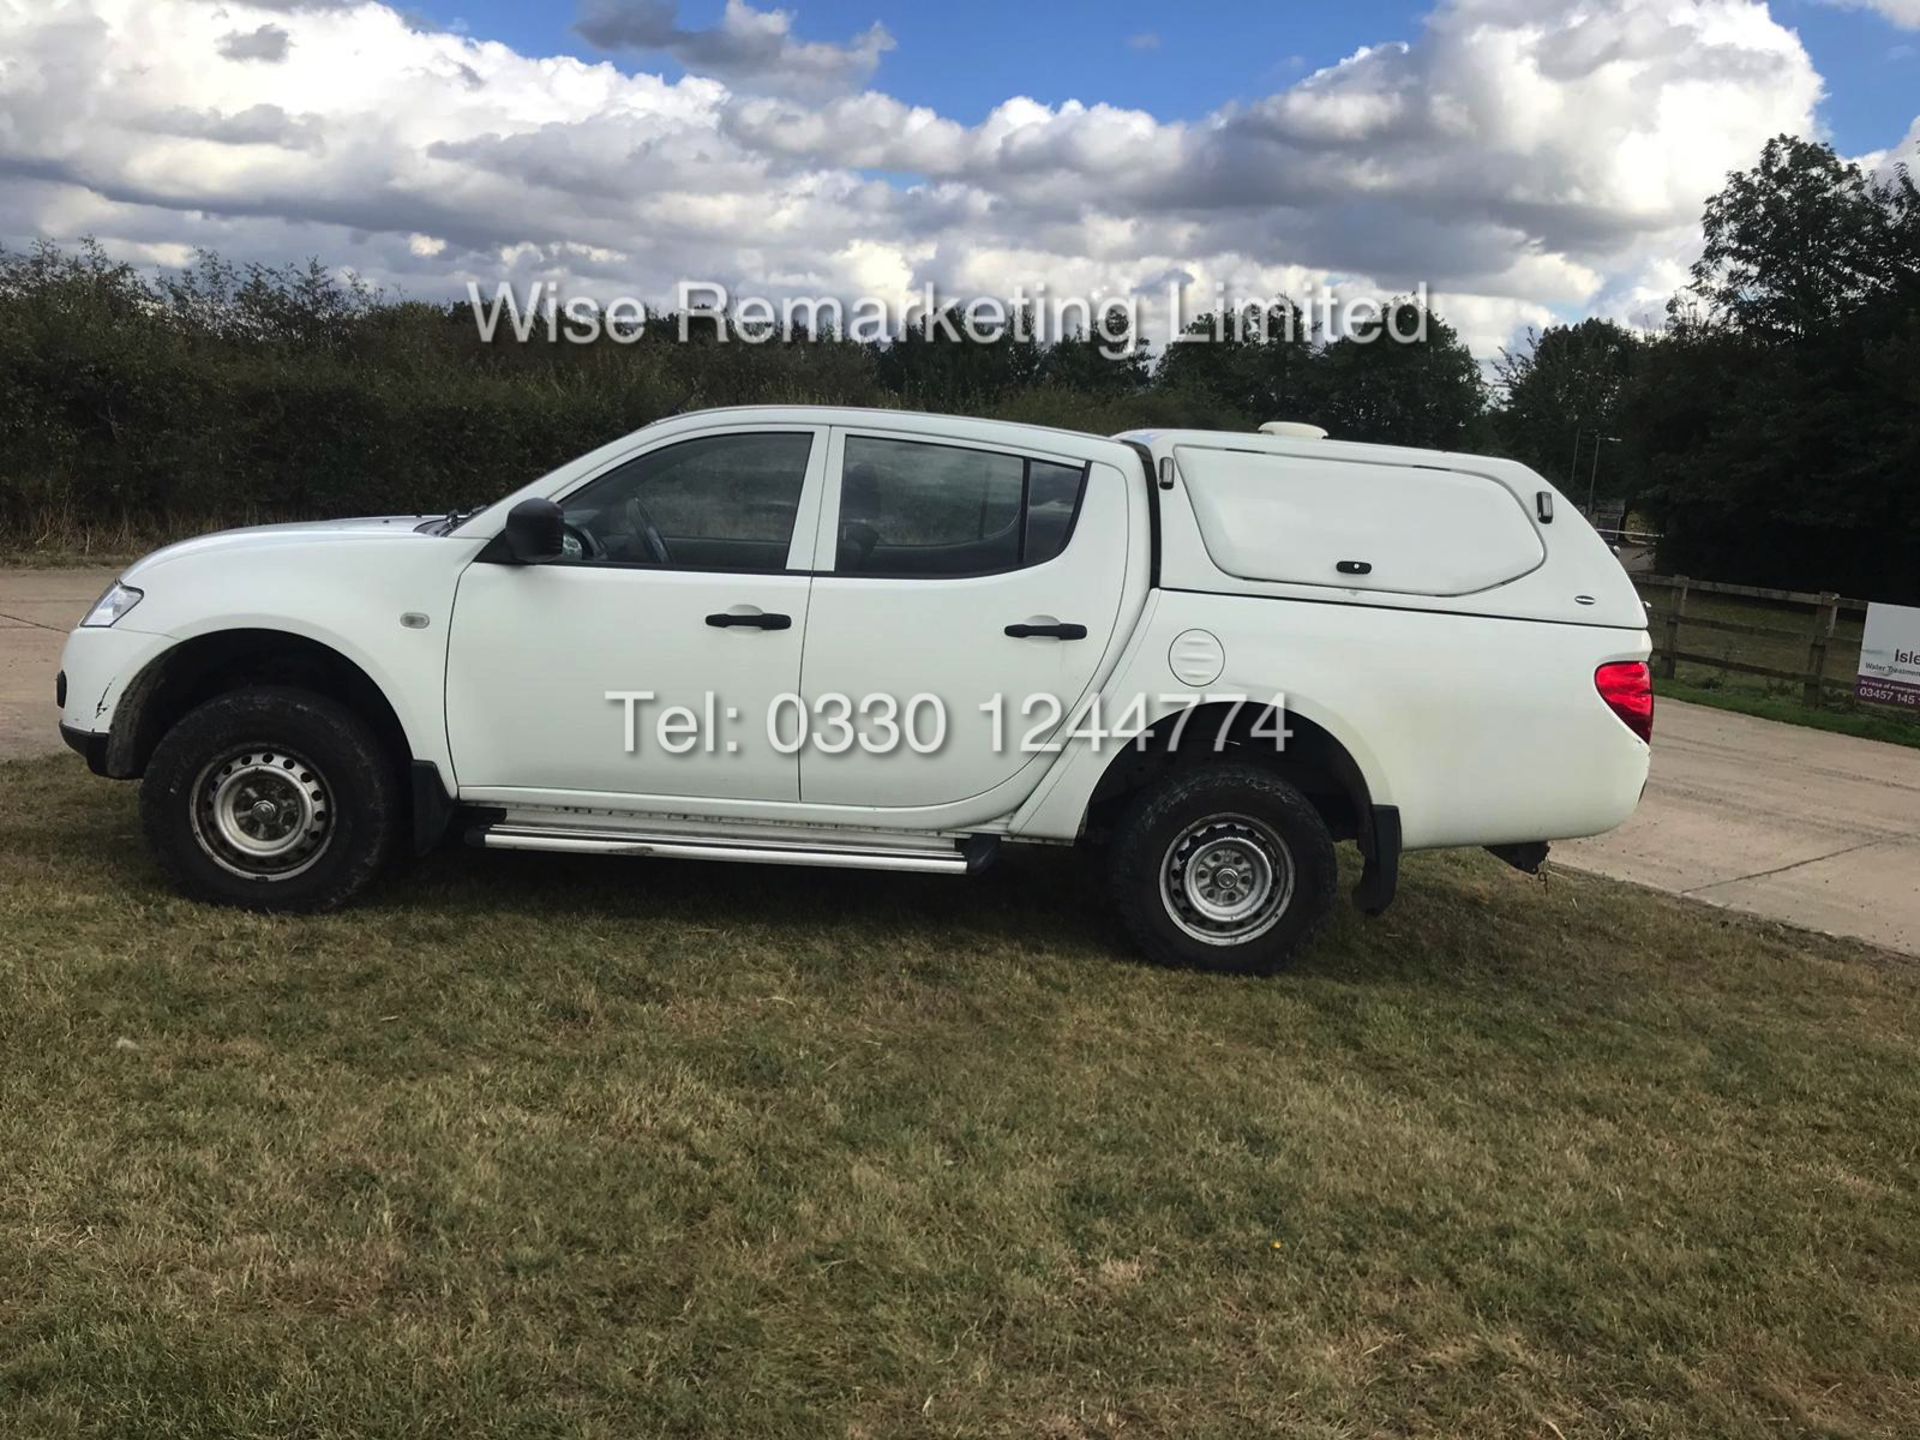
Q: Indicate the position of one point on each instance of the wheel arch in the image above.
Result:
(1313, 758)
(204, 666)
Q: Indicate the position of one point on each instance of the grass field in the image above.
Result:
(1773, 699)
(1786, 651)
(537, 1147)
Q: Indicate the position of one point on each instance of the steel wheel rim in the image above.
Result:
(262, 813)
(1227, 879)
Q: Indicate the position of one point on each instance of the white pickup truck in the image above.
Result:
(868, 638)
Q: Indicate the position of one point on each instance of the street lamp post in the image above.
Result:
(1593, 479)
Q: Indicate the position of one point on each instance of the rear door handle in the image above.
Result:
(1055, 632)
(727, 621)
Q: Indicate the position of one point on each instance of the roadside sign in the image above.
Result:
(1890, 656)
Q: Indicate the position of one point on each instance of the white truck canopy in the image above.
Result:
(1321, 519)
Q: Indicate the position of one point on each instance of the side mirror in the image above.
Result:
(535, 533)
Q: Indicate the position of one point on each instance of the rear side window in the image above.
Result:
(910, 508)
(1053, 501)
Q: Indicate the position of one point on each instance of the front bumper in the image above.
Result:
(96, 669)
(99, 663)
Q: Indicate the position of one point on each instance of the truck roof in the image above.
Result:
(871, 414)
(1160, 440)
(1154, 438)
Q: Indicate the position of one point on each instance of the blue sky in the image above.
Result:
(963, 57)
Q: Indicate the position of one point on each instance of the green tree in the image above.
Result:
(1801, 239)
(1561, 401)
(1256, 362)
(1107, 360)
(1403, 379)
(1776, 420)
(940, 362)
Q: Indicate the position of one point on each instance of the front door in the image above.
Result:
(645, 663)
(973, 589)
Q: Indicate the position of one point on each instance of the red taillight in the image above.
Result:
(1628, 690)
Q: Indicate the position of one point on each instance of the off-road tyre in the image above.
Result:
(1190, 858)
(272, 798)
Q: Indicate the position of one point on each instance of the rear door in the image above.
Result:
(964, 599)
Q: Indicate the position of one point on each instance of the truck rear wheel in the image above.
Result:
(1226, 868)
(271, 798)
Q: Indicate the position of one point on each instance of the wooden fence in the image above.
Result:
(1668, 620)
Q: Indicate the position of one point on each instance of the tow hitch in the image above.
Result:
(1527, 858)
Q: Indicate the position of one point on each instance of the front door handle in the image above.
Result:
(727, 621)
(1055, 632)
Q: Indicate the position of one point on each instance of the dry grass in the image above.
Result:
(54, 537)
(628, 1148)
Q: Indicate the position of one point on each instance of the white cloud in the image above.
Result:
(1521, 157)
(752, 47)
(1900, 12)
(256, 125)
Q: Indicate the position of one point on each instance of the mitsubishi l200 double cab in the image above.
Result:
(862, 638)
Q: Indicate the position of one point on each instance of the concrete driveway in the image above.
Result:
(1818, 830)
(37, 609)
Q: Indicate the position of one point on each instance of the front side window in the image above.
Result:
(910, 508)
(722, 502)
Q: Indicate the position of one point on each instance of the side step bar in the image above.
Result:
(973, 855)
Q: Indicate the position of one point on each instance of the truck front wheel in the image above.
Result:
(271, 798)
(1225, 867)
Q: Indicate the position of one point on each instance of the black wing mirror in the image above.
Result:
(536, 532)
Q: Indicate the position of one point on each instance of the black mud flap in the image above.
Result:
(433, 809)
(1527, 858)
(1380, 847)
